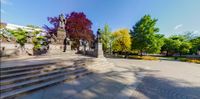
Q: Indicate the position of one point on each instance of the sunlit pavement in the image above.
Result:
(164, 79)
(130, 79)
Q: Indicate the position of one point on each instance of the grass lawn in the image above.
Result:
(183, 59)
(172, 58)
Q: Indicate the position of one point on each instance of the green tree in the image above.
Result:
(177, 44)
(106, 37)
(170, 46)
(158, 42)
(144, 38)
(185, 48)
(185, 45)
(180, 38)
(195, 42)
(122, 42)
(20, 36)
(189, 35)
(36, 40)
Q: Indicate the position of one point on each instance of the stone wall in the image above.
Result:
(53, 49)
(11, 47)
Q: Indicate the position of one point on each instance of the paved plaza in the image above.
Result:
(98, 49)
(126, 79)
(164, 79)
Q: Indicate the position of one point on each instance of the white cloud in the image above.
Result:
(178, 26)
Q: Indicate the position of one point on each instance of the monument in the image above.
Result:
(100, 61)
(62, 38)
(99, 48)
(61, 34)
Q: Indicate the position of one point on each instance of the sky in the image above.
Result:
(174, 16)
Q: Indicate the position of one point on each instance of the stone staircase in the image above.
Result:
(16, 80)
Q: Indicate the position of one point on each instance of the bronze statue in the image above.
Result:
(98, 35)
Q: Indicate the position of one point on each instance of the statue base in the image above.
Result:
(99, 51)
(61, 34)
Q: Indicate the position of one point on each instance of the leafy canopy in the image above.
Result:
(177, 44)
(144, 37)
(36, 40)
(106, 37)
(195, 45)
(53, 29)
(122, 40)
(78, 26)
(20, 36)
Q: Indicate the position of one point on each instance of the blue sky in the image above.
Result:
(174, 16)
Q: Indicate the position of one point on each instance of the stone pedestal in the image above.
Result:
(61, 34)
(99, 50)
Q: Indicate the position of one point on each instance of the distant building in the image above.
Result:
(9, 26)
(28, 29)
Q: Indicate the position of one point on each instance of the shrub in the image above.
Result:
(144, 57)
(193, 61)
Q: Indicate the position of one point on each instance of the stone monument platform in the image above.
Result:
(100, 61)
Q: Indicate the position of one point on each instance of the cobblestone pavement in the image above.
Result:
(164, 79)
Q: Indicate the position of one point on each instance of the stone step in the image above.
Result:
(19, 74)
(5, 72)
(21, 69)
(40, 85)
(31, 67)
(5, 68)
(41, 79)
(23, 73)
(27, 77)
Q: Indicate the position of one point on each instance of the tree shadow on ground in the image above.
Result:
(110, 85)
(162, 88)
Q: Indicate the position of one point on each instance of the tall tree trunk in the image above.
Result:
(141, 53)
(167, 54)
